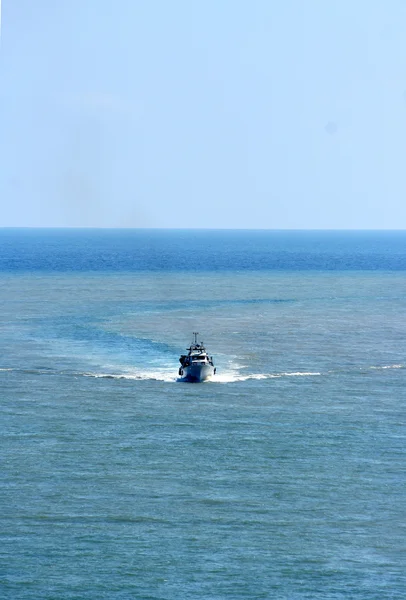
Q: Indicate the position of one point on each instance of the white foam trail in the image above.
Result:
(141, 376)
(231, 374)
(299, 374)
(228, 377)
(233, 377)
(170, 376)
(389, 367)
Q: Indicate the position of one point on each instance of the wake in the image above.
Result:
(226, 377)
(169, 375)
(234, 375)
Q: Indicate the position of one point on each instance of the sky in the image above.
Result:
(211, 114)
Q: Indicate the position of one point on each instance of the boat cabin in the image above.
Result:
(197, 355)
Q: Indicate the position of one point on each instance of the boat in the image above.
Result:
(196, 365)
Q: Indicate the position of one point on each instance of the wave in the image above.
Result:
(388, 367)
(227, 377)
(139, 376)
(232, 375)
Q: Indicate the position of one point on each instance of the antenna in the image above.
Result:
(195, 333)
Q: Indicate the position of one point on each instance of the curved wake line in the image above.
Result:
(226, 377)
(388, 367)
(220, 378)
(231, 376)
(145, 376)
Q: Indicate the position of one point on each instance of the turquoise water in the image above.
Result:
(284, 477)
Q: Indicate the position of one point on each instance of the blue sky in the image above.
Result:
(222, 113)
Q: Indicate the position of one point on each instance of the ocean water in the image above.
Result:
(282, 478)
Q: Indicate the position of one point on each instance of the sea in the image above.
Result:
(284, 477)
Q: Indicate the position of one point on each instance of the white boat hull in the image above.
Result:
(197, 372)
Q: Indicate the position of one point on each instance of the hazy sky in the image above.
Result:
(214, 113)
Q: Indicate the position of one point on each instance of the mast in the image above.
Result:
(195, 333)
